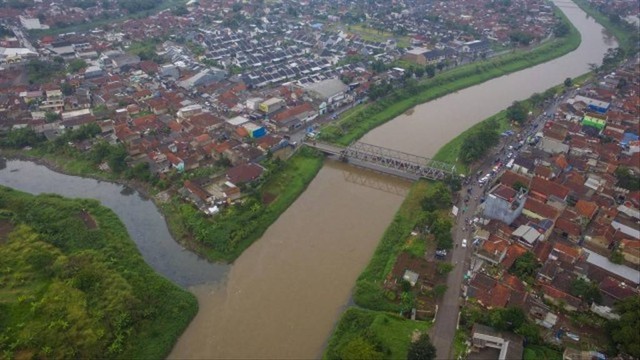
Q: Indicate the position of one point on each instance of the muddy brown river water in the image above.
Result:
(284, 294)
(282, 297)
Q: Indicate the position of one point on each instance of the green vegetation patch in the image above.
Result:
(364, 334)
(73, 285)
(540, 352)
(226, 235)
(369, 292)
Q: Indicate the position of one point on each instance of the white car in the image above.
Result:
(464, 243)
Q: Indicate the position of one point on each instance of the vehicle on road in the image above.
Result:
(464, 243)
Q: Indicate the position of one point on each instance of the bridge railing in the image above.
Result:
(400, 161)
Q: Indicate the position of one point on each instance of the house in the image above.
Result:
(504, 203)
(559, 297)
(331, 91)
(505, 345)
(526, 235)
(203, 78)
(291, 117)
(493, 249)
(244, 173)
(416, 56)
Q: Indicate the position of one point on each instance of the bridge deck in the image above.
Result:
(388, 161)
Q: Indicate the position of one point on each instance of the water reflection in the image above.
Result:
(127, 191)
(143, 221)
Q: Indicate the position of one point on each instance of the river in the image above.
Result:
(430, 126)
(145, 224)
(282, 296)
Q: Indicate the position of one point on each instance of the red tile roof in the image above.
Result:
(543, 210)
(244, 173)
(567, 226)
(546, 188)
(586, 208)
(509, 178)
(288, 114)
(513, 252)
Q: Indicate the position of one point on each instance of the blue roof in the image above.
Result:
(628, 137)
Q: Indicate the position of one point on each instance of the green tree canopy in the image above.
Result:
(517, 112)
(624, 332)
(360, 349)
(525, 267)
(585, 290)
(422, 349)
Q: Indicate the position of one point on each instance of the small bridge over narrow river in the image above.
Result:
(388, 161)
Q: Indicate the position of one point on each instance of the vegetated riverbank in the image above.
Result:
(626, 34)
(219, 238)
(366, 327)
(386, 336)
(451, 152)
(229, 233)
(74, 285)
(359, 122)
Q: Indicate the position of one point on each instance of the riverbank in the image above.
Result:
(365, 334)
(626, 36)
(223, 237)
(360, 121)
(226, 235)
(74, 167)
(77, 281)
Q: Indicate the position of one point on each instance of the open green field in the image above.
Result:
(539, 352)
(355, 124)
(225, 236)
(364, 334)
(371, 34)
(73, 285)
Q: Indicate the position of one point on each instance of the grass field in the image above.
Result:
(371, 34)
(387, 335)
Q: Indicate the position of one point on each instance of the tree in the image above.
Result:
(67, 89)
(519, 185)
(430, 70)
(360, 348)
(568, 82)
(561, 29)
(627, 179)
(444, 268)
(585, 290)
(76, 65)
(439, 290)
(180, 11)
(517, 112)
(525, 267)
(624, 332)
(51, 116)
(422, 349)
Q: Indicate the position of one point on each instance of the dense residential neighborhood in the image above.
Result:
(204, 107)
(221, 91)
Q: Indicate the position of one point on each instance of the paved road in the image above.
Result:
(443, 331)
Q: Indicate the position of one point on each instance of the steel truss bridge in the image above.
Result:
(409, 166)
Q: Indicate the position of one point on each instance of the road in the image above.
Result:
(443, 332)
